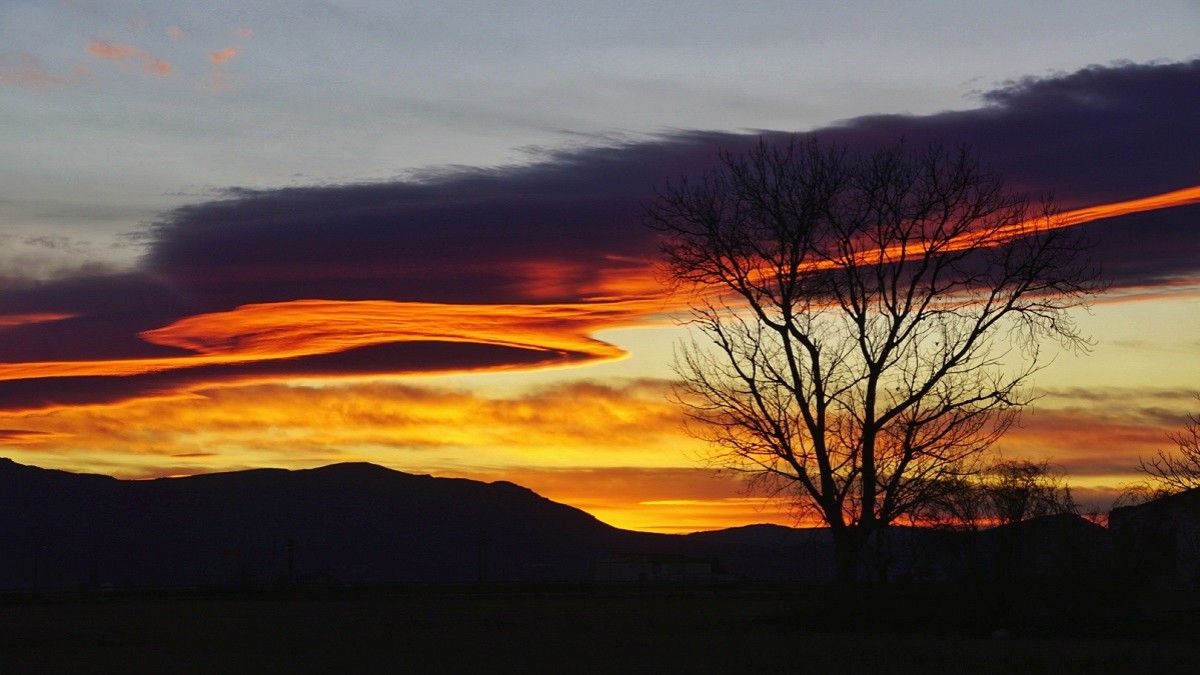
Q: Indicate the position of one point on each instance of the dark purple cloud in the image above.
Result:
(20, 434)
(1147, 249)
(1098, 135)
(107, 312)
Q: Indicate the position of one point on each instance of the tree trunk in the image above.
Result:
(847, 550)
(851, 613)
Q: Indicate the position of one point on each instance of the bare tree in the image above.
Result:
(961, 503)
(1002, 493)
(1168, 471)
(868, 323)
(1019, 490)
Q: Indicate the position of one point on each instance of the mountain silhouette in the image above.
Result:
(359, 523)
(343, 523)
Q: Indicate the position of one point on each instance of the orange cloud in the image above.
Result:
(315, 326)
(310, 327)
(27, 71)
(121, 53)
(176, 33)
(612, 450)
(158, 67)
(578, 423)
(1097, 437)
(113, 52)
(627, 278)
(222, 56)
(617, 450)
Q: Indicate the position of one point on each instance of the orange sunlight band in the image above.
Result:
(1166, 200)
(994, 236)
(990, 238)
(310, 327)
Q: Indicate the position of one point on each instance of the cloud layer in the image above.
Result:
(616, 449)
(517, 266)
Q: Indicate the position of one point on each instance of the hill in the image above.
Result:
(344, 523)
(359, 523)
(349, 523)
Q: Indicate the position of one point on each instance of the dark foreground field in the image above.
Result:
(563, 629)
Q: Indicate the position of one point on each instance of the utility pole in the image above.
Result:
(291, 561)
(482, 559)
(35, 543)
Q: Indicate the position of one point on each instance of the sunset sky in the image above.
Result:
(288, 234)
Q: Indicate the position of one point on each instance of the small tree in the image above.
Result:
(869, 322)
(1169, 472)
(1003, 493)
(1016, 491)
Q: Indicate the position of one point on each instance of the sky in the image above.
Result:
(288, 234)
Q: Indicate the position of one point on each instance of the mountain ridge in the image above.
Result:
(351, 522)
(362, 523)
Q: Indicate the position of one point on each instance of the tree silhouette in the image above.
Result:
(1018, 490)
(1005, 492)
(1176, 471)
(868, 322)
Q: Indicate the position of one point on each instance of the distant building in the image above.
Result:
(668, 569)
(1064, 546)
(1159, 541)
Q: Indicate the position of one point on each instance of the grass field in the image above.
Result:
(551, 629)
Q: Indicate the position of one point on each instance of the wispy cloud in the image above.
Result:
(10, 320)
(282, 340)
(1097, 436)
(111, 51)
(175, 32)
(103, 49)
(617, 449)
(27, 70)
(222, 56)
(159, 67)
(218, 77)
(628, 424)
